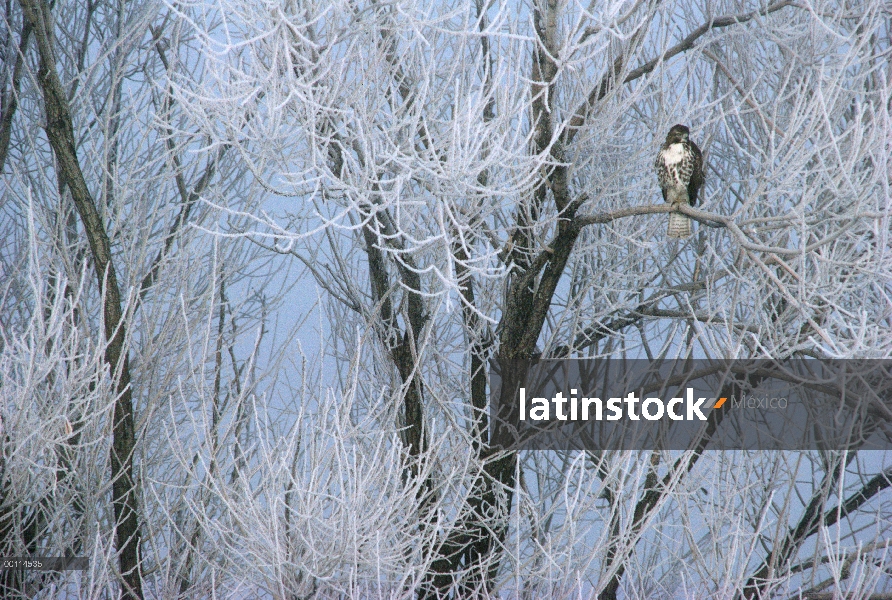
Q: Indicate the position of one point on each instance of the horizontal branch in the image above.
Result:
(702, 216)
(701, 317)
(713, 220)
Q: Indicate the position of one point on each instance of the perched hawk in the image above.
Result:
(680, 171)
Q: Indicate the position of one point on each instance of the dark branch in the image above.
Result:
(603, 329)
(607, 82)
(688, 42)
(810, 523)
(60, 133)
(9, 101)
(187, 198)
(877, 484)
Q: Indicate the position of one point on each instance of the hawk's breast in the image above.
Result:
(674, 154)
(676, 164)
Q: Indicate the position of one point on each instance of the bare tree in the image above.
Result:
(465, 184)
(96, 185)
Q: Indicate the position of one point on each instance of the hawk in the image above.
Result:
(679, 167)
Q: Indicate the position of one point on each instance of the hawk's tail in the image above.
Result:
(679, 226)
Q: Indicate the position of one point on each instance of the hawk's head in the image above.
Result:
(678, 133)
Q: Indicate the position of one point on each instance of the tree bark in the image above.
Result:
(60, 131)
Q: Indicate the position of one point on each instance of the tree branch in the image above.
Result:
(607, 82)
(9, 101)
(810, 523)
(60, 131)
(187, 198)
(655, 493)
